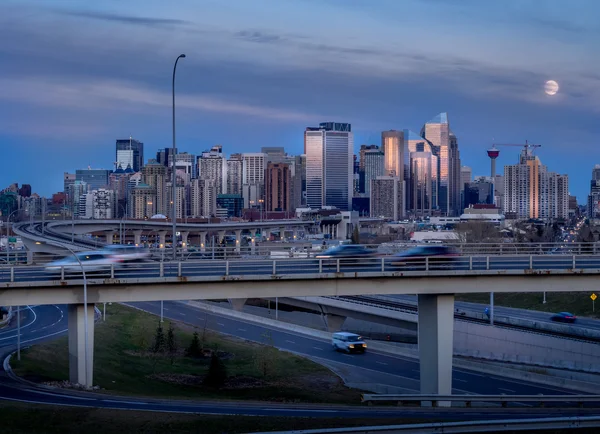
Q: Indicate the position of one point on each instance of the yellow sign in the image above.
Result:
(593, 297)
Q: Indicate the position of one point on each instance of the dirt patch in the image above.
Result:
(244, 382)
(181, 379)
(206, 354)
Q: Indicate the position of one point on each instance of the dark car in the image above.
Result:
(436, 254)
(564, 317)
(348, 252)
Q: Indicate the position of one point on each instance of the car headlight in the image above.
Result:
(351, 346)
(364, 345)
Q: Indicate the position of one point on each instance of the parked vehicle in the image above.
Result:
(348, 342)
(563, 317)
(90, 261)
(437, 254)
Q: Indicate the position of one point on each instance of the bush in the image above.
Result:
(194, 350)
(217, 372)
(159, 340)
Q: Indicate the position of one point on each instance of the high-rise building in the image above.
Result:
(480, 191)
(135, 157)
(143, 201)
(387, 197)
(213, 165)
(278, 187)
(163, 156)
(98, 204)
(94, 178)
(234, 174)
(362, 184)
(274, 154)
(203, 198)
(182, 207)
(253, 168)
(185, 164)
(329, 168)
(421, 175)
(68, 179)
(593, 208)
(299, 182)
(154, 174)
(392, 145)
(445, 147)
(466, 175)
(374, 166)
(233, 203)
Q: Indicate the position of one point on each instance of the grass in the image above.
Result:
(21, 419)
(124, 365)
(578, 303)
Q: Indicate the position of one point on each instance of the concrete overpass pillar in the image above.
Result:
(238, 240)
(436, 331)
(295, 234)
(184, 239)
(237, 303)
(253, 244)
(77, 351)
(203, 241)
(137, 237)
(281, 233)
(162, 239)
(109, 237)
(29, 257)
(267, 233)
(221, 236)
(333, 322)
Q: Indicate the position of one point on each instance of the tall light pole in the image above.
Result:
(174, 181)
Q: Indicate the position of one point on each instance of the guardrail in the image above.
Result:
(473, 426)
(468, 400)
(340, 267)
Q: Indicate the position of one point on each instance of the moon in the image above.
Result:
(551, 87)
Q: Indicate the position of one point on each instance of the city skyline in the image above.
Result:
(248, 82)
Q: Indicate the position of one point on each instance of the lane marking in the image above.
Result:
(242, 330)
(221, 324)
(291, 342)
(181, 313)
(317, 348)
(461, 380)
(506, 390)
(58, 395)
(380, 363)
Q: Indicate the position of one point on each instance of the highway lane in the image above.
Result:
(404, 372)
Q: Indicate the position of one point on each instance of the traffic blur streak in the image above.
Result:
(252, 267)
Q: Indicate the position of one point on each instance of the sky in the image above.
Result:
(77, 75)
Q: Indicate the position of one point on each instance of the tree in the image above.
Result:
(171, 344)
(265, 358)
(355, 235)
(194, 349)
(159, 340)
(217, 372)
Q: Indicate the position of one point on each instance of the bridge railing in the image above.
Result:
(468, 400)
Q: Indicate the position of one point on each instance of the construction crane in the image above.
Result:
(527, 146)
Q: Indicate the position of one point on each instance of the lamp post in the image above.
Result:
(173, 154)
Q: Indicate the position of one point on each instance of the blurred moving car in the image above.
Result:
(91, 261)
(127, 253)
(563, 317)
(417, 255)
(345, 251)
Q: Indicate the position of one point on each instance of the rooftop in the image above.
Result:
(442, 118)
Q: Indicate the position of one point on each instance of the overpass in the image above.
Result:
(434, 283)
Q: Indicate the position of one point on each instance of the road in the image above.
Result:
(46, 322)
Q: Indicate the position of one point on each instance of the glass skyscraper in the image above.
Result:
(138, 153)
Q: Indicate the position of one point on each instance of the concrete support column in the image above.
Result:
(221, 236)
(162, 239)
(267, 233)
(77, 351)
(237, 303)
(137, 237)
(29, 257)
(281, 233)
(184, 239)
(253, 245)
(333, 322)
(295, 235)
(203, 241)
(436, 331)
(109, 237)
(238, 240)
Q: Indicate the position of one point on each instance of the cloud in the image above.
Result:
(125, 19)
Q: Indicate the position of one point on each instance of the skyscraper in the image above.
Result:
(213, 165)
(387, 197)
(278, 187)
(204, 198)
(374, 166)
(154, 175)
(94, 178)
(329, 171)
(421, 175)
(593, 208)
(234, 174)
(392, 145)
(133, 145)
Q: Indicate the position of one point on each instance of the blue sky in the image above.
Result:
(76, 75)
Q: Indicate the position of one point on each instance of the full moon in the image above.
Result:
(551, 87)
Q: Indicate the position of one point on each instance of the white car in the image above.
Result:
(91, 261)
(348, 342)
(127, 253)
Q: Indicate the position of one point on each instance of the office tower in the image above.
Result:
(68, 179)
(355, 176)
(203, 198)
(278, 187)
(213, 165)
(118, 182)
(234, 174)
(479, 191)
(392, 145)
(362, 184)
(154, 174)
(421, 175)
(98, 204)
(499, 191)
(387, 197)
(163, 156)
(135, 157)
(233, 203)
(374, 166)
(143, 202)
(185, 164)
(274, 154)
(182, 207)
(94, 178)
(299, 182)
(593, 208)
(465, 178)
(253, 168)
(329, 169)
(445, 147)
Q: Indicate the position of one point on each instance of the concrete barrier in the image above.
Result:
(405, 351)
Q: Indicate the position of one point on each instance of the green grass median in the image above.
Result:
(131, 358)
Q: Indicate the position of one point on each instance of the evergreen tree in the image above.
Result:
(159, 340)
(171, 343)
(194, 349)
(355, 236)
(217, 372)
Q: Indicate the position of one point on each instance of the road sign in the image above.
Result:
(593, 297)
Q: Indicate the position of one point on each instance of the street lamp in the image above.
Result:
(7, 234)
(174, 152)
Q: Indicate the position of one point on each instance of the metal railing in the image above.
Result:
(468, 400)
